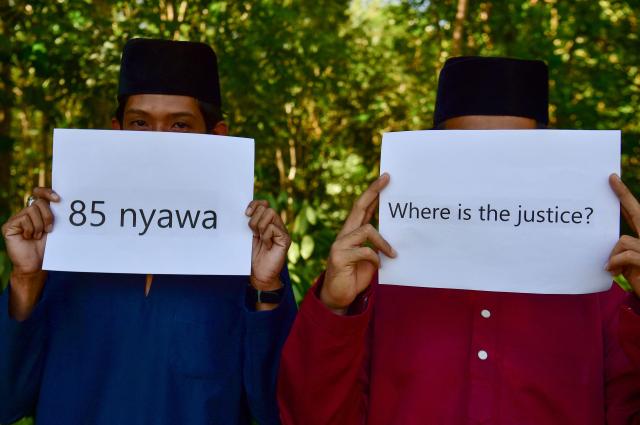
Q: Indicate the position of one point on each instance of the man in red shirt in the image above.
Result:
(363, 353)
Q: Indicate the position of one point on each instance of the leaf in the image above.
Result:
(311, 215)
(306, 248)
(294, 253)
(300, 224)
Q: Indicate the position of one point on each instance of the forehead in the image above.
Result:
(489, 122)
(162, 103)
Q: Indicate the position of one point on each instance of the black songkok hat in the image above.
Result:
(473, 85)
(185, 68)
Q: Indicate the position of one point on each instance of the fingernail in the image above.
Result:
(55, 196)
(248, 211)
(49, 228)
(394, 253)
(606, 266)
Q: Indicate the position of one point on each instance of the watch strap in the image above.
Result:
(269, 297)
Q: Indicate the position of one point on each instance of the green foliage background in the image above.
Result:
(315, 82)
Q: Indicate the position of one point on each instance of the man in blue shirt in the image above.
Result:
(89, 348)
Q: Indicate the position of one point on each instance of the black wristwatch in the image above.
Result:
(269, 297)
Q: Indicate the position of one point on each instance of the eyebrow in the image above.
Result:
(136, 111)
(172, 114)
(181, 114)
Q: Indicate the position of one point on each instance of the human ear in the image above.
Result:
(220, 129)
(115, 124)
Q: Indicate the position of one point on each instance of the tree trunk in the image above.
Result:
(6, 115)
(458, 28)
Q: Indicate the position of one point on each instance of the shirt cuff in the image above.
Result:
(355, 321)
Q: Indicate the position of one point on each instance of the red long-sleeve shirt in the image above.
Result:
(440, 356)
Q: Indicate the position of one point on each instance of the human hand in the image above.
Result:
(270, 245)
(25, 235)
(351, 264)
(625, 256)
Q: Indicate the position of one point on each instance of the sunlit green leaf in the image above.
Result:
(306, 247)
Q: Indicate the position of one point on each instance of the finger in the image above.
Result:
(14, 226)
(275, 235)
(371, 210)
(36, 220)
(626, 243)
(628, 219)
(625, 213)
(46, 193)
(366, 233)
(254, 204)
(45, 212)
(255, 218)
(358, 214)
(267, 236)
(629, 203)
(26, 226)
(267, 218)
(277, 220)
(622, 260)
(363, 253)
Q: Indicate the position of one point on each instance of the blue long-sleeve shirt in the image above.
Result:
(97, 351)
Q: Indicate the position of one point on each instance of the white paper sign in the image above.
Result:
(500, 210)
(150, 202)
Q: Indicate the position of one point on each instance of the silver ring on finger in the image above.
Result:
(31, 200)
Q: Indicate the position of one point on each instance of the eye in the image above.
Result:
(138, 123)
(181, 125)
